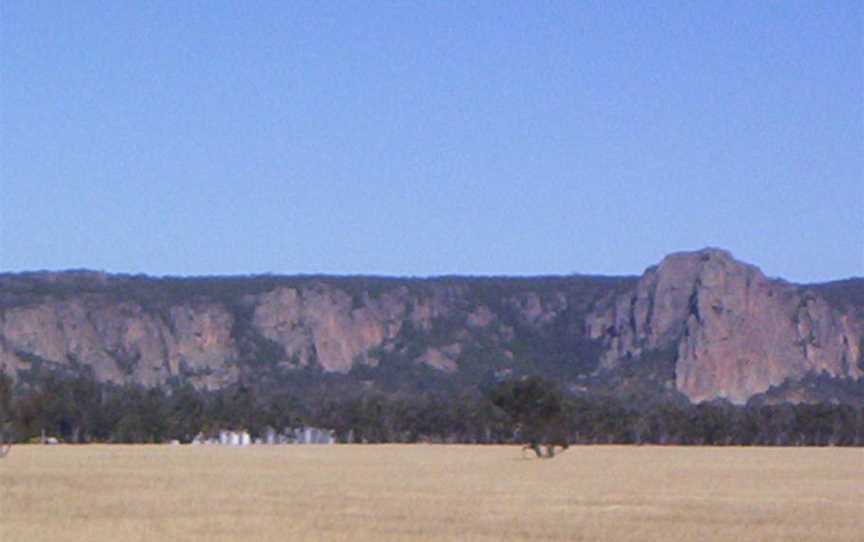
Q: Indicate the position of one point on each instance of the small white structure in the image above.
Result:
(303, 435)
(234, 438)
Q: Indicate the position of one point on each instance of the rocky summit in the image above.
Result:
(700, 324)
(734, 332)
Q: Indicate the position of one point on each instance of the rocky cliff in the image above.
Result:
(722, 328)
(211, 331)
(734, 332)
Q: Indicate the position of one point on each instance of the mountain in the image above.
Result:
(734, 333)
(700, 325)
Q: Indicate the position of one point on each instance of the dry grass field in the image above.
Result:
(410, 493)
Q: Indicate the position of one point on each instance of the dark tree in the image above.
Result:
(185, 413)
(536, 409)
(6, 414)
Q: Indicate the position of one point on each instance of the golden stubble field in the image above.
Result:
(424, 492)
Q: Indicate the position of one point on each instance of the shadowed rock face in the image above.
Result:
(728, 330)
(736, 333)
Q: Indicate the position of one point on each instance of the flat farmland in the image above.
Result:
(430, 492)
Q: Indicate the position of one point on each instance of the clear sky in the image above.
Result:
(448, 137)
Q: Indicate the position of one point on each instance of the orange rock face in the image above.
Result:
(736, 333)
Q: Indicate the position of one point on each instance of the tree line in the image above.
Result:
(81, 410)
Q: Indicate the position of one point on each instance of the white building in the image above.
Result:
(235, 438)
(305, 435)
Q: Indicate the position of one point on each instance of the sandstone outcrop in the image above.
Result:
(120, 342)
(734, 332)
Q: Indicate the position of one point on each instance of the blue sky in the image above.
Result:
(429, 138)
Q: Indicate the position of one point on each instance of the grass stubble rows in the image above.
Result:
(430, 492)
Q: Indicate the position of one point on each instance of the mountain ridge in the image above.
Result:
(711, 324)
